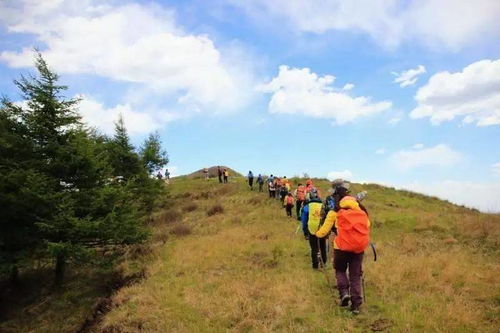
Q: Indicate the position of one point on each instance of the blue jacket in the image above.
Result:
(305, 216)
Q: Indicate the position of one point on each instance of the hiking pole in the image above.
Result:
(322, 265)
(374, 250)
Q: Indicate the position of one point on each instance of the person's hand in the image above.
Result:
(306, 237)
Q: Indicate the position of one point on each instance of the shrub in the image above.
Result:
(181, 230)
(169, 216)
(216, 209)
(190, 207)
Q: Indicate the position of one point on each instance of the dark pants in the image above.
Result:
(288, 209)
(225, 179)
(272, 194)
(220, 178)
(298, 207)
(352, 284)
(314, 242)
(250, 182)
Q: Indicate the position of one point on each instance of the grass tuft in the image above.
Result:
(215, 209)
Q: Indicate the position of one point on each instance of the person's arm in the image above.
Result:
(304, 219)
(327, 226)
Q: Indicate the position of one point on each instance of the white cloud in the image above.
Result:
(348, 86)
(438, 156)
(300, 91)
(394, 120)
(418, 146)
(408, 77)
(473, 93)
(380, 151)
(346, 175)
(96, 115)
(483, 196)
(496, 168)
(446, 23)
(132, 43)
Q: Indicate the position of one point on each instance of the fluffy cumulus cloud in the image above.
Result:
(388, 22)
(496, 168)
(459, 192)
(97, 115)
(300, 91)
(472, 94)
(346, 175)
(132, 43)
(408, 77)
(438, 156)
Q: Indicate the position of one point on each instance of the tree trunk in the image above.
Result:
(14, 275)
(60, 268)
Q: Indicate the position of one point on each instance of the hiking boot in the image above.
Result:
(355, 310)
(344, 300)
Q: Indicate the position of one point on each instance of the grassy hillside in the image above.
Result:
(224, 258)
(212, 172)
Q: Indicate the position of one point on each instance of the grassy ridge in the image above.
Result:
(227, 259)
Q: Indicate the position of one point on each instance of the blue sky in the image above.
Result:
(404, 93)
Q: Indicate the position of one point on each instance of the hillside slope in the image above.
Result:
(212, 172)
(225, 258)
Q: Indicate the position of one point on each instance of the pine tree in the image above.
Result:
(153, 157)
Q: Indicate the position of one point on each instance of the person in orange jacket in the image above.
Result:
(300, 197)
(349, 221)
(288, 204)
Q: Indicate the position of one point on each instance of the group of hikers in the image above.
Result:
(222, 174)
(340, 214)
(167, 176)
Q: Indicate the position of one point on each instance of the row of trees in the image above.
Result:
(67, 191)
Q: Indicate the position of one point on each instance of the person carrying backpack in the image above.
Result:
(300, 196)
(311, 216)
(167, 176)
(349, 221)
(288, 204)
(272, 189)
(260, 181)
(219, 174)
(250, 179)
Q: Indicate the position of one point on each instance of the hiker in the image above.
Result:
(285, 188)
(250, 179)
(311, 214)
(272, 189)
(226, 175)
(288, 204)
(309, 187)
(349, 221)
(219, 174)
(159, 176)
(300, 196)
(205, 173)
(167, 176)
(260, 181)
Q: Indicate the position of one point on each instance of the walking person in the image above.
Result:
(300, 196)
(167, 176)
(159, 176)
(349, 221)
(250, 180)
(205, 173)
(260, 181)
(288, 204)
(226, 176)
(272, 189)
(311, 215)
(219, 174)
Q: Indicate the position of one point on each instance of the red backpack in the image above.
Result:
(289, 200)
(353, 233)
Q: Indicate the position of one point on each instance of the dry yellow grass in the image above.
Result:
(245, 269)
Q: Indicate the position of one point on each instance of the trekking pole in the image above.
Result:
(322, 266)
(363, 273)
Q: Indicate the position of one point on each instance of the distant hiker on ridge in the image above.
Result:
(219, 174)
(226, 175)
(260, 181)
(271, 187)
(159, 176)
(349, 221)
(250, 179)
(205, 173)
(167, 177)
